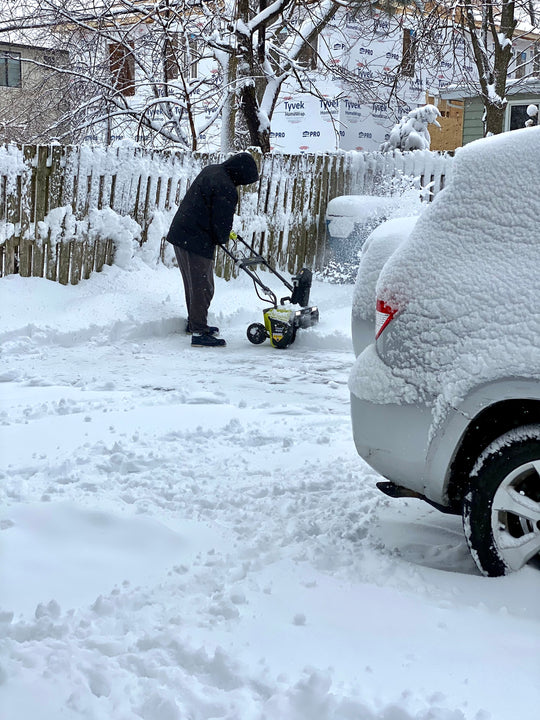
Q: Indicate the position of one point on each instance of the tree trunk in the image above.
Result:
(248, 69)
(493, 120)
(258, 136)
(228, 114)
(492, 71)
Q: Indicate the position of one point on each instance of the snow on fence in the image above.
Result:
(67, 211)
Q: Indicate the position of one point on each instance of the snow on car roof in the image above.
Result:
(360, 207)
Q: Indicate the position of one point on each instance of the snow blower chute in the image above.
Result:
(281, 320)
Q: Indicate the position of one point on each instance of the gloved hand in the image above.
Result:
(232, 235)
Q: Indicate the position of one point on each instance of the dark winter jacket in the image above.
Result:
(205, 216)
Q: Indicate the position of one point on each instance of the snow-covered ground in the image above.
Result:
(190, 534)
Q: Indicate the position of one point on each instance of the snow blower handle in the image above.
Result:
(246, 264)
(235, 237)
(256, 259)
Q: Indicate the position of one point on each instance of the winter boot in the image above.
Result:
(206, 340)
(210, 330)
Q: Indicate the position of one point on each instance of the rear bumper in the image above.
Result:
(363, 333)
(394, 440)
(393, 437)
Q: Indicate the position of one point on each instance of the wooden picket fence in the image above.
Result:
(62, 208)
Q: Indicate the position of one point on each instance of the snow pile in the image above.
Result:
(61, 225)
(189, 533)
(122, 230)
(467, 281)
(13, 165)
(13, 169)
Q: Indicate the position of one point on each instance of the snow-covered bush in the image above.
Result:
(411, 131)
(532, 112)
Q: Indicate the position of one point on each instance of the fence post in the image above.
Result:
(28, 213)
(297, 233)
(55, 200)
(42, 173)
(14, 200)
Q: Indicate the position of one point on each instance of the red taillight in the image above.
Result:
(383, 315)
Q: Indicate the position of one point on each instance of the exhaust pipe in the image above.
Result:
(398, 491)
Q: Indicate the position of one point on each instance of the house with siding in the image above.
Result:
(520, 97)
(523, 91)
(32, 92)
(381, 49)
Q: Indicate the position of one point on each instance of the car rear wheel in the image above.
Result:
(501, 511)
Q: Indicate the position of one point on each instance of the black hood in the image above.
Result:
(242, 169)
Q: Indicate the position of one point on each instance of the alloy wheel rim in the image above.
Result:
(515, 515)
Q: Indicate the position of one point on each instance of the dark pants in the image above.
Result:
(198, 276)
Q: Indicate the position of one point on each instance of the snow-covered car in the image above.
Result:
(351, 218)
(445, 404)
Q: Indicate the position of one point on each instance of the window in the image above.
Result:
(177, 56)
(122, 65)
(308, 55)
(409, 52)
(10, 69)
(536, 58)
(171, 57)
(190, 56)
(521, 62)
(517, 116)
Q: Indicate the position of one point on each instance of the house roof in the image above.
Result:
(26, 46)
(524, 86)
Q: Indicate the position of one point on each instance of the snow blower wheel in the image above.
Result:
(256, 333)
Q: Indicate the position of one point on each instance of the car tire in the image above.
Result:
(501, 510)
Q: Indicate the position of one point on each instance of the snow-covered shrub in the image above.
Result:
(411, 131)
(532, 112)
